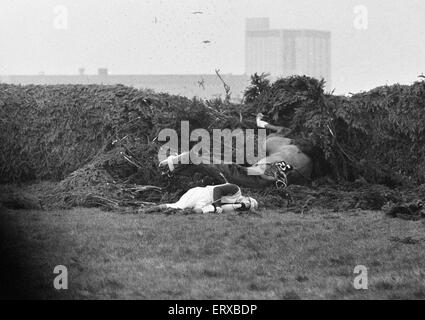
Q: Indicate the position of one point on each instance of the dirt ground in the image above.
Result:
(274, 255)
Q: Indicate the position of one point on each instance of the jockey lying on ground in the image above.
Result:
(210, 199)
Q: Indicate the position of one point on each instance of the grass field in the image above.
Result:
(278, 255)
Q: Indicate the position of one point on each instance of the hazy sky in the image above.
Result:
(163, 36)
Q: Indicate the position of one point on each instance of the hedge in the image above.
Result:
(48, 132)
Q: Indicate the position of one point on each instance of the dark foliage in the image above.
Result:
(101, 140)
(47, 132)
(378, 135)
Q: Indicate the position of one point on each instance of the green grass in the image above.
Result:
(277, 255)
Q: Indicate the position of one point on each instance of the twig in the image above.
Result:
(226, 86)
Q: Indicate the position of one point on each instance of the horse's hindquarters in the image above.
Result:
(274, 143)
(291, 154)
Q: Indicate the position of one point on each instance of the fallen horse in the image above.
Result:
(284, 164)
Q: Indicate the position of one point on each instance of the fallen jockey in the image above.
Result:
(224, 198)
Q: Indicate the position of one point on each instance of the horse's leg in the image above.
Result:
(171, 161)
(237, 174)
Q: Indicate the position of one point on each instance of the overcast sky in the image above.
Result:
(164, 37)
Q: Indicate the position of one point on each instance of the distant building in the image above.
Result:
(278, 52)
(286, 52)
